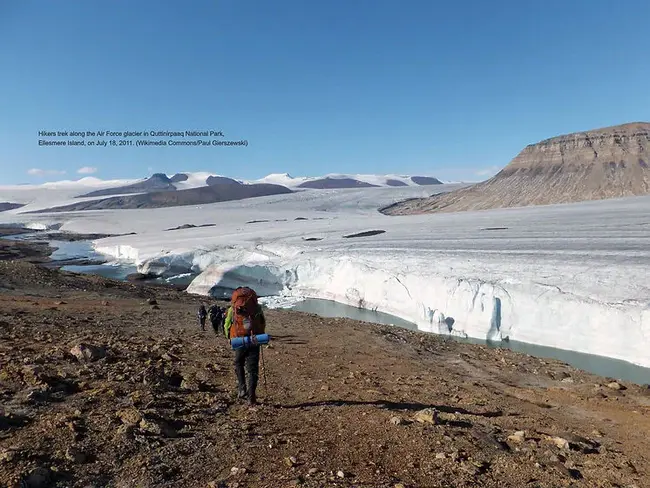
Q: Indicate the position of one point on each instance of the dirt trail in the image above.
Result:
(345, 403)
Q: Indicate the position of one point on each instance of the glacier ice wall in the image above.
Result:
(432, 296)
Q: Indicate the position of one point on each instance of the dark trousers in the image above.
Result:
(202, 322)
(248, 358)
(217, 325)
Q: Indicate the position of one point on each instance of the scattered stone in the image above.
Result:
(518, 437)
(75, 455)
(441, 455)
(8, 455)
(126, 431)
(291, 461)
(340, 474)
(426, 416)
(33, 376)
(129, 416)
(568, 379)
(150, 427)
(615, 385)
(313, 471)
(152, 301)
(88, 352)
(559, 442)
(396, 420)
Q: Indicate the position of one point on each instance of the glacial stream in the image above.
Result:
(599, 365)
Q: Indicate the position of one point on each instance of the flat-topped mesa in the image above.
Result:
(617, 145)
(610, 162)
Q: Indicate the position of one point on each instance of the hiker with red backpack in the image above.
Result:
(245, 318)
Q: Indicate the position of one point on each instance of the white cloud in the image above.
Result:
(87, 170)
(44, 172)
(488, 171)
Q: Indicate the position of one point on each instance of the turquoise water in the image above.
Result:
(599, 365)
(104, 270)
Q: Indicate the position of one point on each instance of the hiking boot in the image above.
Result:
(252, 400)
(242, 393)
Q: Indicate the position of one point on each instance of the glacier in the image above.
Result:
(572, 276)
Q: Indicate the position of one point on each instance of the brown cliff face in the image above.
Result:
(605, 163)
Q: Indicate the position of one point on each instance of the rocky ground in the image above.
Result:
(110, 384)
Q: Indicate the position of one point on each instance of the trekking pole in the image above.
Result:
(266, 391)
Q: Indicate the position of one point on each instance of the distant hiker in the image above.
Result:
(217, 316)
(245, 318)
(202, 315)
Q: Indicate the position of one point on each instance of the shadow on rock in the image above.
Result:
(389, 405)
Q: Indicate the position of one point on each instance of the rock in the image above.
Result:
(88, 352)
(518, 437)
(567, 380)
(126, 431)
(129, 416)
(340, 474)
(37, 478)
(152, 301)
(8, 455)
(157, 428)
(75, 455)
(559, 442)
(140, 276)
(400, 485)
(33, 376)
(155, 307)
(426, 416)
(150, 427)
(441, 455)
(396, 420)
(291, 461)
(470, 468)
(313, 471)
(615, 385)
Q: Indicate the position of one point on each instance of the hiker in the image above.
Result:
(202, 315)
(245, 318)
(217, 316)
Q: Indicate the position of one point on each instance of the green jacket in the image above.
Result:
(229, 316)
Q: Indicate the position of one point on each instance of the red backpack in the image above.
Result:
(246, 317)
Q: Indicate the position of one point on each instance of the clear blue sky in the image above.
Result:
(450, 89)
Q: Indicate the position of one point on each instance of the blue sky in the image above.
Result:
(450, 89)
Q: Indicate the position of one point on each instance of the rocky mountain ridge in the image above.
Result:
(610, 162)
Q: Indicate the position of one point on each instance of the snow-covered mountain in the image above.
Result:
(67, 192)
(350, 180)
